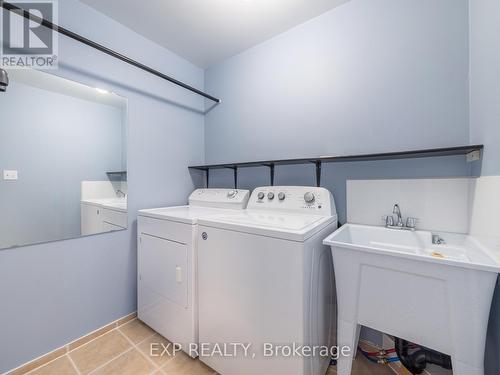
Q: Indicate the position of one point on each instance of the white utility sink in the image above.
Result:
(400, 283)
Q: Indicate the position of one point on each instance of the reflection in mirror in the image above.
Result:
(62, 160)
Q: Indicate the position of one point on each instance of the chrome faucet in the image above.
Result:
(410, 224)
(397, 211)
(120, 194)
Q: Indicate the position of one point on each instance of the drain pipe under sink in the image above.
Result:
(417, 361)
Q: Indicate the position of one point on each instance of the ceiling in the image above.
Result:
(208, 31)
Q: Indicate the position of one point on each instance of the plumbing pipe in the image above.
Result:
(417, 361)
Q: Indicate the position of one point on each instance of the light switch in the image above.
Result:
(9, 175)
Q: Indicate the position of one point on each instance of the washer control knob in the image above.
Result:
(309, 197)
(270, 195)
(281, 196)
(260, 195)
(231, 194)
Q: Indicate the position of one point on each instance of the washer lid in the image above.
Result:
(184, 214)
(292, 227)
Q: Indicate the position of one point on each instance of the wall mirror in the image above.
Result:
(63, 160)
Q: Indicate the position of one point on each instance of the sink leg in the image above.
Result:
(348, 336)
(460, 368)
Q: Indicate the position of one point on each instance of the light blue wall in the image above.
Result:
(334, 176)
(55, 142)
(51, 294)
(485, 122)
(367, 76)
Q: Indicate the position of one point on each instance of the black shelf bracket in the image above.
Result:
(271, 172)
(117, 175)
(235, 172)
(61, 30)
(318, 173)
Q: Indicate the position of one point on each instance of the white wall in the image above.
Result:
(440, 204)
(485, 221)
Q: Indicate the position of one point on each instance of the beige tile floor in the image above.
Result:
(126, 351)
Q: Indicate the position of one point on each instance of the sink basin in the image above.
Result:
(400, 283)
(459, 250)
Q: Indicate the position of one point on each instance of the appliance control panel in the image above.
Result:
(223, 198)
(315, 200)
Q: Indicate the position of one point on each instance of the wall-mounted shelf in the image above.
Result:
(435, 152)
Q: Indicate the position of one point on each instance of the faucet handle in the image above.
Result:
(389, 220)
(411, 222)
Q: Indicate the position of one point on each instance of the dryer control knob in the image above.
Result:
(231, 194)
(309, 197)
(270, 195)
(260, 195)
(281, 196)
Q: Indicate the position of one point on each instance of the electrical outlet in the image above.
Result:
(9, 175)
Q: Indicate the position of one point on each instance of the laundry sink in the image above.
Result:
(401, 283)
(458, 250)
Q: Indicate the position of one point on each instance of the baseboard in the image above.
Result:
(49, 357)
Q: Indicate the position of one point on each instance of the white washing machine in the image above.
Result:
(167, 262)
(265, 278)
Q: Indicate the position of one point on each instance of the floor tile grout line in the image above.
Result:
(160, 368)
(140, 351)
(165, 364)
(157, 368)
(115, 326)
(107, 362)
(66, 346)
(140, 342)
(73, 364)
(94, 339)
(111, 360)
(97, 337)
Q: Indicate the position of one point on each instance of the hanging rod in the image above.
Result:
(100, 47)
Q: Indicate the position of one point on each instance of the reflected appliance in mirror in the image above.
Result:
(63, 160)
